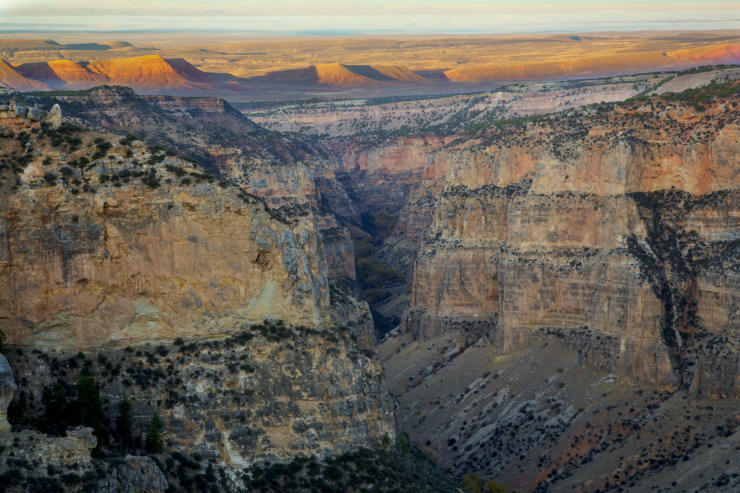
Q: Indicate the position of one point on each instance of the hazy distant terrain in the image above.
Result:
(255, 70)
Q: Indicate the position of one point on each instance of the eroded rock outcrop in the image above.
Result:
(32, 458)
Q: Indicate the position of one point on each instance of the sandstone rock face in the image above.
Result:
(7, 390)
(282, 185)
(561, 231)
(294, 176)
(156, 252)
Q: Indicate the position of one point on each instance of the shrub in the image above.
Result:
(50, 178)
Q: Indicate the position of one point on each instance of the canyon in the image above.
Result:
(526, 235)
(552, 271)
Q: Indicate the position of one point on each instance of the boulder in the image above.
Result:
(35, 114)
(54, 117)
(20, 111)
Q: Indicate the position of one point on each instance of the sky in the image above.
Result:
(362, 17)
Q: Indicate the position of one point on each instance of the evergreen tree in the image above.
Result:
(88, 408)
(154, 442)
(56, 410)
(17, 409)
(123, 424)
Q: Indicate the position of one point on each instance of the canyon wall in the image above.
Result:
(189, 296)
(603, 228)
(293, 175)
(131, 265)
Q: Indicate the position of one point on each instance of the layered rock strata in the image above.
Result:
(128, 247)
(564, 229)
(138, 265)
(293, 175)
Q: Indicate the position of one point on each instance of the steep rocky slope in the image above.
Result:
(152, 259)
(538, 420)
(294, 175)
(186, 294)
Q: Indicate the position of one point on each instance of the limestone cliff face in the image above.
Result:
(138, 265)
(718, 294)
(306, 192)
(559, 229)
(382, 173)
(146, 260)
(401, 176)
(291, 174)
(126, 249)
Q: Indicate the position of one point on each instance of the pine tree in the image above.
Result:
(56, 410)
(154, 442)
(87, 404)
(88, 408)
(17, 409)
(123, 424)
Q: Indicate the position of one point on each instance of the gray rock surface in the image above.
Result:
(35, 114)
(7, 389)
(134, 475)
(20, 111)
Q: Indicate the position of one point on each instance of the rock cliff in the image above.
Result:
(194, 297)
(268, 391)
(599, 227)
(132, 263)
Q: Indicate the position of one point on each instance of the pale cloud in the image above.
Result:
(343, 7)
(379, 16)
